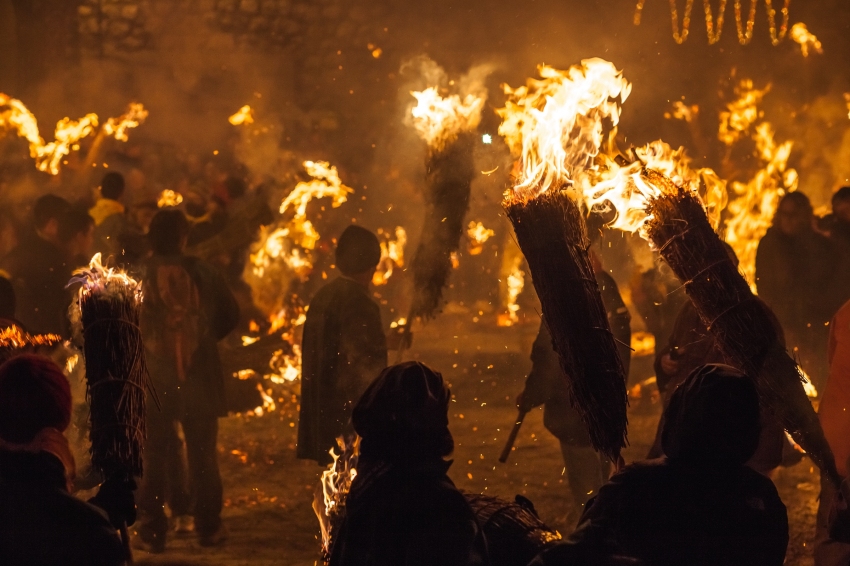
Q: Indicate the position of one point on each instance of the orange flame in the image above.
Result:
(133, 118)
(439, 120)
(741, 113)
(392, 255)
(244, 115)
(807, 40)
(478, 235)
(14, 337)
(336, 484)
(168, 198)
(515, 283)
(325, 183)
(554, 125)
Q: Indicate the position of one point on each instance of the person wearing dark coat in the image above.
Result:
(795, 269)
(188, 308)
(41, 523)
(343, 347)
(700, 505)
(110, 217)
(39, 272)
(546, 385)
(402, 509)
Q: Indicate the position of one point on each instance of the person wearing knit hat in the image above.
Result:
(343, 347)
(701, 504)
(40, 521)
(402, 507)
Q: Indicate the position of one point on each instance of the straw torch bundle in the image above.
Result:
(555, 126)
(445, 123)
(108, 306)
(675, 222)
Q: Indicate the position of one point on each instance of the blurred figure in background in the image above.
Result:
(343, 348)
(547, 385)
(40, 521)
(39, 271)
(700, 505)
(187, 310)
(76, 232)
(794, 273)
(402, 508)
(8, 305)
(109, 216)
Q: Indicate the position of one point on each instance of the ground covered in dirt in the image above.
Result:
(269, 493)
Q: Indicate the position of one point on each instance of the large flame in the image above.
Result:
(14, 115)
(336, 484)
(325, 183)
(555, 124)
(97, 278)
(439, 119)
(14, 337)
(478, 235)
(807, 40)
(392, 254)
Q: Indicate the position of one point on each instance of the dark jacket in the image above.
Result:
(664, 514)
(343, 349)
(407, 516)
(39, 273)
(546, 382)
(187, 309)
(41, 524)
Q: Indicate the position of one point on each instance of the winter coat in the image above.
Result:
(187, 309)
(343, 349)
(41, 524)
(407, 516)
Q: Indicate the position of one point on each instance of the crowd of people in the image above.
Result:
(703, 496)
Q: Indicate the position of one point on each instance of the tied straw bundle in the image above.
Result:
(445, 122)
(554, 125)
(107, 313)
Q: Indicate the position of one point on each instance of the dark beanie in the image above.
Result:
(357, 251)
(404, 415)
(34, 394)
(713, 418)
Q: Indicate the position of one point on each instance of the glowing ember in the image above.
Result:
(806, 39)
(98, 278)
(14, 337)
(169, 198)
(478, 235)
(392, 255)
(515, 283)
(682, 111)
(555, 124)
(268, 402)
(400, 322)
(741, 113)
(244, 115)
(117, 127)
(847, 100)
(808, 386)
(643, 344)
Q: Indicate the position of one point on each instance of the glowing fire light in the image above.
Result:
(643, 344)
(14, 337)
(169, 198)
(478, 235)
(392, 255)
(336, 484)
(555, 124)
(742, 112)
(98, 278)
(806, 39)
(117, 127)
(847, 100)
(67, 134)
(244, 115)
(808, 386)
(325, 183)
(515, 282)
(440, 120)
(400, 322)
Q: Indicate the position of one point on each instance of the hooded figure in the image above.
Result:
(403, 510)
(700, 505)
(343, 348)
(40, 521)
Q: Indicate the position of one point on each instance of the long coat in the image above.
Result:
(188, 308)
(343, 349)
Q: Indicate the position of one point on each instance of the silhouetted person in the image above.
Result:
(343, 347)
(109, 216)
(700, 505)
(39, 271)
(794, 271)
(187, 310)
(403, 510)
(76, 232)
(547, 385)
(839, 234)
(41, 523)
